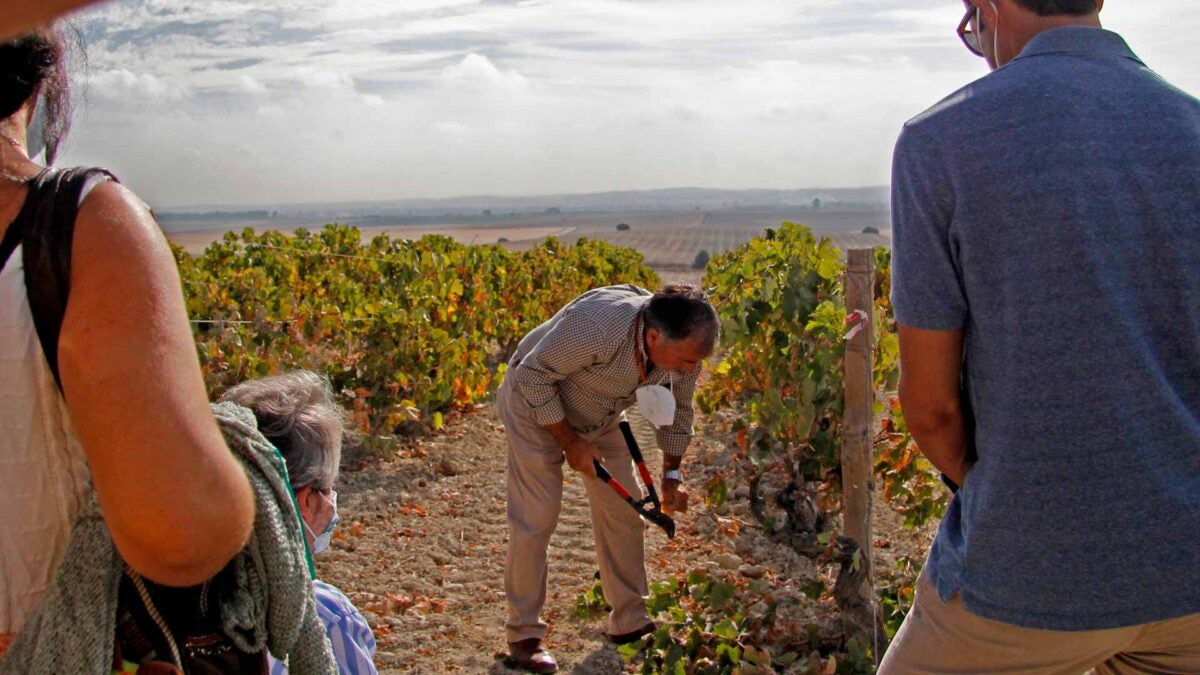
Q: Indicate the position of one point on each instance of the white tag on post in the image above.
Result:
(656, 404)
(859, 320)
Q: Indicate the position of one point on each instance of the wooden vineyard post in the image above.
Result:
(860, 398)
(858, 425)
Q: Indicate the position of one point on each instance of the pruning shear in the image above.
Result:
(649, 507)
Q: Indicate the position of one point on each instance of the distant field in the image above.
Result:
(669, 241)
(196, 242)
(674, 240)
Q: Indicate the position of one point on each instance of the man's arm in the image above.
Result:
(931, 396)
(929, 300)
(674, 440)
(573, 344)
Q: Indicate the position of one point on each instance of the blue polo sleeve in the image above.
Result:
(927, 287)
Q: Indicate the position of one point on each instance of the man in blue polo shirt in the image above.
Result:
(1047, 287)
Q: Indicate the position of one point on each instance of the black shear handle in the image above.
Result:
(631, 442)
(636, 453)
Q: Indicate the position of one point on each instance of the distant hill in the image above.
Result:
(217, 215)
(672, 199)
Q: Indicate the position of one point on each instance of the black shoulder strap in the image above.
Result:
(12, 239)
(15, 233)
(48, 224)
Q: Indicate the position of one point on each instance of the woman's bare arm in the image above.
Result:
(177, 503)
(19, 16)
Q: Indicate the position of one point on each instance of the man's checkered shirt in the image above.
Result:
(582, 366)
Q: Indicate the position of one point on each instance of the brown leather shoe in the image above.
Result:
(531, 655)
(633, 635)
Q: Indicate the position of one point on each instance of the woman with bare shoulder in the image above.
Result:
(131, 420)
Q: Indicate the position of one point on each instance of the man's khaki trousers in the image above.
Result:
(944, 638)
(535, 485)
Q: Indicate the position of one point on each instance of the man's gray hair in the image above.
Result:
(297, 413)
(683, 312)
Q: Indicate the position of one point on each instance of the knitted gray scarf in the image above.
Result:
(271, 606)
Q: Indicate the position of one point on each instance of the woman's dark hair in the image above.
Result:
(35, 65)
(1056, 7)
(683, 312)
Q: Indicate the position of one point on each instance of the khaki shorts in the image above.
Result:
(943, 638)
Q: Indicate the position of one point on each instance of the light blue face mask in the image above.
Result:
(321, 541)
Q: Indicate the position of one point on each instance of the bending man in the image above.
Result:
(565, 394)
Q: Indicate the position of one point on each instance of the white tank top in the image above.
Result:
(43, 474)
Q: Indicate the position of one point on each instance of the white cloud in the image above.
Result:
(440, 97)
(477, 72)
(126, 88)
(323, 79)
(250, 85)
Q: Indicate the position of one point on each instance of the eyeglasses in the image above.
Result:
(970, 37)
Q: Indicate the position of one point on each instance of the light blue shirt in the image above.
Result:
(351, 636)
(1051, 211)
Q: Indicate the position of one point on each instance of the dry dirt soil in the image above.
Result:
(422, 542)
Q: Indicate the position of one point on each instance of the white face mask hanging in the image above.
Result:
(654, 401)
(657, 404)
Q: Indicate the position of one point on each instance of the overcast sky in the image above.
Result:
(260, 101)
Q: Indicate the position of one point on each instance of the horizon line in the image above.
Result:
(219, 206)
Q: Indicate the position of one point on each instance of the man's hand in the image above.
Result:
(580, 454)
(674, 498)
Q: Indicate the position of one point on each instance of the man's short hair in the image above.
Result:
(682, 312)
(1056, 7)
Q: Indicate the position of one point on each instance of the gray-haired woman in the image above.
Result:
(296, 413)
